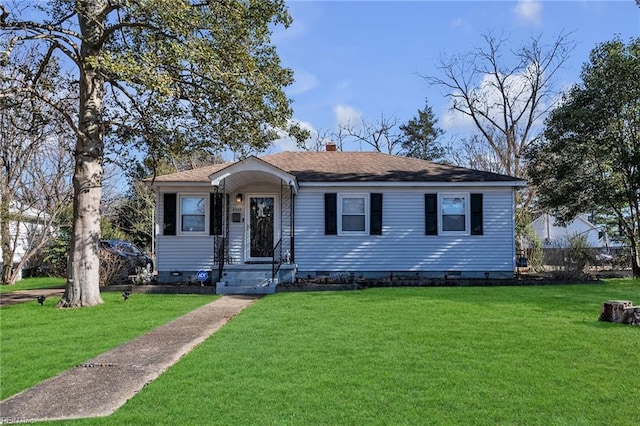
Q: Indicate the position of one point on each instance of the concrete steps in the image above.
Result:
(246, 279)
(268, 287)
(253, 278)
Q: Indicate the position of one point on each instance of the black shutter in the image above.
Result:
(330, 214)
(215, 214)
(476, 214)
(169, 222)
(375, 227)
(431, 214)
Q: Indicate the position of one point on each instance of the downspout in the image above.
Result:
(514, 235)
(292, 249)
(547, 220)
(153, 231)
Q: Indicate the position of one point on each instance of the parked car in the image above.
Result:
(129, 253)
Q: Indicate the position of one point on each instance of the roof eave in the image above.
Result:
(253, 163)
(190, 184)
(501, 184)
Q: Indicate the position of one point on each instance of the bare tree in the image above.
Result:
(36, 161)
(383, 135)
(318, 141)
(474, 153)
(506, 98)
(39, 191)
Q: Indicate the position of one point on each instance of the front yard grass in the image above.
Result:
(34, 283)
(38, 342)
(473, 355)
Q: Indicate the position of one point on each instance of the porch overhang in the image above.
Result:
(249, 171)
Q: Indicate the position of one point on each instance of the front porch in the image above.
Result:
(253, 222)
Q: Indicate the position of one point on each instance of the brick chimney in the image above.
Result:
(331, 147)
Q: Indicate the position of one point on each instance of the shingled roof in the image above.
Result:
(353, 167)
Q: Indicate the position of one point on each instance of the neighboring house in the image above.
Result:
(556, 236)
(22, 234)
(313, 214)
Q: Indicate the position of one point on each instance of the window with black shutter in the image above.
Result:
(330, 214)
(215, 216)
(376, 214)
(169, 222)
(431, 214)
(476, 214)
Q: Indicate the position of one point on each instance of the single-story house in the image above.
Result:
(555, 238)
(553, 235)
(262, 220)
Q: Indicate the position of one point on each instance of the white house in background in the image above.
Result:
(556, 236)
(22, 233)
(252, 223)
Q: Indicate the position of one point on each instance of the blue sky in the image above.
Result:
(355, 60)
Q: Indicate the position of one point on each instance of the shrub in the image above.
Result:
(580, 254)
(113, 268)
(534, 252)
(574, 260)
(143, 276)
(56, 254)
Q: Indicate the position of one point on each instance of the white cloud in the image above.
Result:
(455, 120)
(287, 143)
(347, 115)
(304, 82)
(517, 88)
(529, 11)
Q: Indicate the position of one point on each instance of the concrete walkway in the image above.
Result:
(101, 385)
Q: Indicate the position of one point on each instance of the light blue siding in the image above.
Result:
(181, 252)
(403, 245)
(184, 253)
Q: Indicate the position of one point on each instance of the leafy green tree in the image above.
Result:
(420, 136)
(590, 154)
(159, 76)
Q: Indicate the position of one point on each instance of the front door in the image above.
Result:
(261, 218)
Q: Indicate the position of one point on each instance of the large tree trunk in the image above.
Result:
(83, 270)
(83, 280)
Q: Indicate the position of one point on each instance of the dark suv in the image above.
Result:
(129, 253)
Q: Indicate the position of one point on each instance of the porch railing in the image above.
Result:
(277, 259)
(220, 257)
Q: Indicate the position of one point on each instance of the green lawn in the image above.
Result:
(474, 355)
(34, 283)
(38, 342)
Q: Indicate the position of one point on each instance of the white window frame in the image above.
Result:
(206, 214)
(467, 212)
(365, 197)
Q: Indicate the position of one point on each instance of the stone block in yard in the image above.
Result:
(620, 311)
(634, 315)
